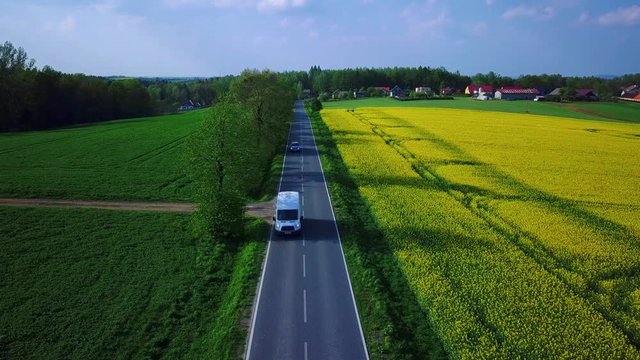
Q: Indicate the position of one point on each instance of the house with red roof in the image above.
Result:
(385, 89)
(475, 90)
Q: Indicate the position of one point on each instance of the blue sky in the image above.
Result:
(219, 37)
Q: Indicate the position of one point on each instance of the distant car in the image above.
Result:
(538, 98)
(295, 146)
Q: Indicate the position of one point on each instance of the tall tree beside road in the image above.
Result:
(231, 153)
(219, 159)
(269, 98)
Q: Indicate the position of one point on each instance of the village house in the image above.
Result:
(580, 94)
(514, 93)
(340, 94)
(630, 91)
(475, 90)
(396, 92)
(385, 89)
(586, 94)
(448, 91)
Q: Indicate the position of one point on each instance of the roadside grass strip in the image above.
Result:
(492, 218)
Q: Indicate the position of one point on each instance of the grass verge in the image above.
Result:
(394, 323)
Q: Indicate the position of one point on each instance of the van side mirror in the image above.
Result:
(301, 217)
(274, 218)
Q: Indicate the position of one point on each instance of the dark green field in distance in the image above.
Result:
(137, 159)
(579, 110)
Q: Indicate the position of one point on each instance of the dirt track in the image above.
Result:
(262, 210)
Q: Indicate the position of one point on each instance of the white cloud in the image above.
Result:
(490, 2)
(261, 5)
(277, 5)
(104, 7)
(584, 17)
(425, 19)
(530, 12)
(301, 23)
(479, 28)
(520, 11)
(67, 25)
(623, 16)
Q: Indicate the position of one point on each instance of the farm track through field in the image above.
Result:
(588, 112)
(262, 210)
(478, 203)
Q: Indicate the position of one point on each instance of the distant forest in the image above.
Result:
(32, 98)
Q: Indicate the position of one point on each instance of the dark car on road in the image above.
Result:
(295, 146)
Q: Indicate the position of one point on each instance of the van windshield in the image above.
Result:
(287, 214)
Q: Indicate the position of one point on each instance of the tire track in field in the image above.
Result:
(9, 150)
(476, 203)
(146, 156)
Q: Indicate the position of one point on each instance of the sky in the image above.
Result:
(220, 37)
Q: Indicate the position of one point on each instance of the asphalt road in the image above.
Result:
(305, 307)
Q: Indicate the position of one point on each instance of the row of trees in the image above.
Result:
(231, 154)
(323, 81)
(406, 77)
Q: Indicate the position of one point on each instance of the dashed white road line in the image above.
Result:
(306, 353)
(304, 266)
(304, 296)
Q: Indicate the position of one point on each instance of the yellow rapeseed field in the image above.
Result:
(520, 234)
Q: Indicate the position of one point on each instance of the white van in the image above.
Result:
(288, 216)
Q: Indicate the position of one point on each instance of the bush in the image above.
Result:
(315, 104)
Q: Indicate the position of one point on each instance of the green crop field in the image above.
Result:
(518, 233)
(578, 110)
(95, 284)
(138, 159)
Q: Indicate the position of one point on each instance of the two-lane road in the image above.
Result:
(305, 307)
